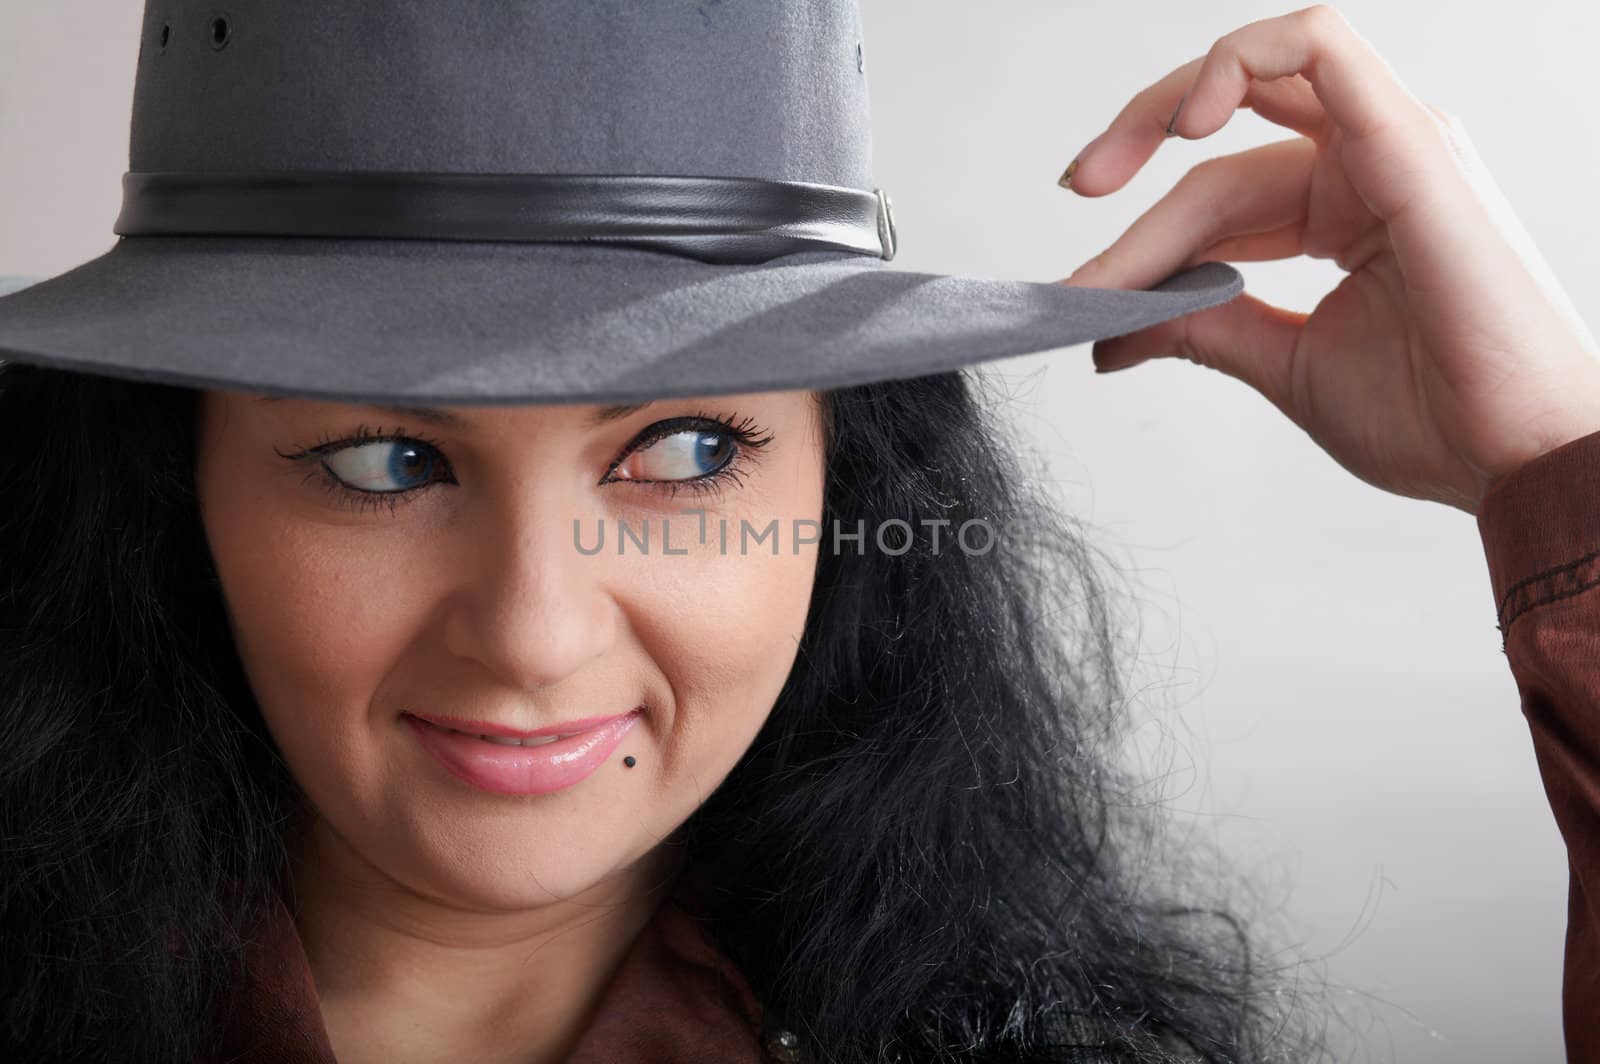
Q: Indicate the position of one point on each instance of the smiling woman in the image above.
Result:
(880, 784)
(462, 601)
(329, 740)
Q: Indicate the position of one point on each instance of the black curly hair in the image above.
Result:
(930, 852)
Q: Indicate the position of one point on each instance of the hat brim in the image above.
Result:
(499, 322)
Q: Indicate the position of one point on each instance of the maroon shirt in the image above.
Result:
(676, 999)
(1540, 526)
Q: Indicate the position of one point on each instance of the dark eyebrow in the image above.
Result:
(607, 414)
(603, 416)
(421, 413)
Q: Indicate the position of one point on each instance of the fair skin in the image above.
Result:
(1448, 358)
(442, 922)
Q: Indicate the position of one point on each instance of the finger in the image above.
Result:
(1133, 136)
(1251, 191)
(1290, 102)
(1148, 111)
(1357, 89)
(1284, 242)
(1246, 338)
(1390, 136)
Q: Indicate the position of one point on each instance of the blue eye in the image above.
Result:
(371, 468)
(700, 454)
(685, 455)
(384, 466)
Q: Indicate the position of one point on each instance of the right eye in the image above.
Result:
(384, 467)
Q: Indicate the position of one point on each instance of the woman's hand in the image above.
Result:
(1448, 357)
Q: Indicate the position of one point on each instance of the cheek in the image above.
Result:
(319, 616)
(725, 644)
(724, 628)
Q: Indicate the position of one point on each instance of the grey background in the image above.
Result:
(1321, 688)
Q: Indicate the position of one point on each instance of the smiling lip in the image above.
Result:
(484, 727)
(503, 769)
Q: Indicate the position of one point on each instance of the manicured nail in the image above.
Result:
(1173, 121)
(1065, 180)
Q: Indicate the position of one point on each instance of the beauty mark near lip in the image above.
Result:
(503, 769)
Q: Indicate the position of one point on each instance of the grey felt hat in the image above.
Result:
(552, 201)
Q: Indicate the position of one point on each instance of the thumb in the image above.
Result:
(1246, 338)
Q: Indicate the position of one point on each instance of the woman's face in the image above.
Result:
(459, 587)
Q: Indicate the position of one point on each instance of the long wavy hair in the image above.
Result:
(931, 852)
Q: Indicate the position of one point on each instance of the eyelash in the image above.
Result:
(748, 438)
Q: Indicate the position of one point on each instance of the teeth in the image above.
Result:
(540, 740)
(536, 741)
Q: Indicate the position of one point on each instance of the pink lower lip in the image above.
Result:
(522, 769)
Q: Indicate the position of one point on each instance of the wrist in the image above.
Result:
(1545, 440)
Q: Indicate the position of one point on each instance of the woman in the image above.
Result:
(821, 797)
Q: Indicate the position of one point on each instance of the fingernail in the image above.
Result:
(1065, 180)
(1108, 360)
(1173, 121)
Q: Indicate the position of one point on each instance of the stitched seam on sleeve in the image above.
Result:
(1546, 574)
(1552, 586)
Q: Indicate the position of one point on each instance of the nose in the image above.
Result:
(535, 610)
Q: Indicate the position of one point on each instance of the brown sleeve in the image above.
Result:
(1540, 526)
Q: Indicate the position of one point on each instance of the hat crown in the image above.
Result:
(715, 88)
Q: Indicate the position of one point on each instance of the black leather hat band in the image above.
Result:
(715, 219)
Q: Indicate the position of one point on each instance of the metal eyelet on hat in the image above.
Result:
(886, 233)
(219, 30)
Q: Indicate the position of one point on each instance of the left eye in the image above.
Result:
(686, 455)
(383, 467)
